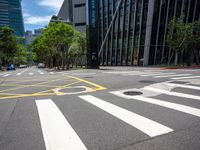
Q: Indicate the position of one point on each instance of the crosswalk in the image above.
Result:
(157, 74)
(56, 128)
(27, 73)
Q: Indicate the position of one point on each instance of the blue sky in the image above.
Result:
(37, 13)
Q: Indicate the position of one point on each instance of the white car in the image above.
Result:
(41, 65)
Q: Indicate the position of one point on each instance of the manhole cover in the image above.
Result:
(147, 81)
(72, 90)
(133, 93)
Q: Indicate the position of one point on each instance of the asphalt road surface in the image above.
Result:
(114, 108)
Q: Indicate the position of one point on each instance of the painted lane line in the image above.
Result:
(178, 107)
(176, 75)
(157, 74)
(122, 72)
(20, 73)
(57, 132)
(6, 75)
(156, 90)
(30, 73)
(143, 124)
(192, 77)
(184, 86)
(40, 72)
(51, 72)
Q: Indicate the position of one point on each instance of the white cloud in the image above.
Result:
(37, 20)
(51, 4)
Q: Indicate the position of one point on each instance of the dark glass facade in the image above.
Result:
(11, 15)
(138, 34)
(92, 32)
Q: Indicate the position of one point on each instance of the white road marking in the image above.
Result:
(30, 73)
(156, 74)
(20, 73)
(146, 125)
(121, 72)
(176, 75)
(57, 132)
(191, 77)
(51, 72)
(172, 93)
(184, 86)
(6, 75)
(178, 107)
(40, 72)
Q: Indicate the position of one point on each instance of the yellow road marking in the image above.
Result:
(16, 88)
(18, 85)
(46, 93)
(97, 87)
(65, 86)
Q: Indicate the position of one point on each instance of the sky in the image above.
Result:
(37, 13)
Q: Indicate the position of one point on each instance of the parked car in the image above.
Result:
(23, 66)
(10, 67)
(41, 65)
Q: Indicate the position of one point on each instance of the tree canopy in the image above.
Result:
(48, 46)
(11, 51)
(182, 36)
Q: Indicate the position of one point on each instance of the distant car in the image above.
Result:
(41, 65)
(10, 67)
(22, 66)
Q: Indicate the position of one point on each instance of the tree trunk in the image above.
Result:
(176, 58)
(51, 66)
(170, 58)
(196, 56)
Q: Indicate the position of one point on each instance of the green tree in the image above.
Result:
(178, 36)
(47, 45)
(20, 55)
(194, 44)
(8, 44)
(78, 48)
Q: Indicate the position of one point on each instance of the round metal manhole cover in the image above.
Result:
(147, 81)
(72, 90)
(133, 93)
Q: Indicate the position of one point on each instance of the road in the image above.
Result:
(114, 108)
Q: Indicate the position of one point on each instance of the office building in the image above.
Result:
(138, 34)
(30, 36)
(74, 12)
(66, 11)
(11, 15)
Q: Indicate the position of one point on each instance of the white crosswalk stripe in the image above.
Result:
(57, 132)
(191, 77)
(40, 72)
(184, 86)
(30, 73)
(143, 124)
(157, 74)
(172, 93)
(6, 75)
(20, 73)
(176, 75)
(178, 107)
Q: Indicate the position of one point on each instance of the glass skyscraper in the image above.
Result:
(11, 15)
(138, 34)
